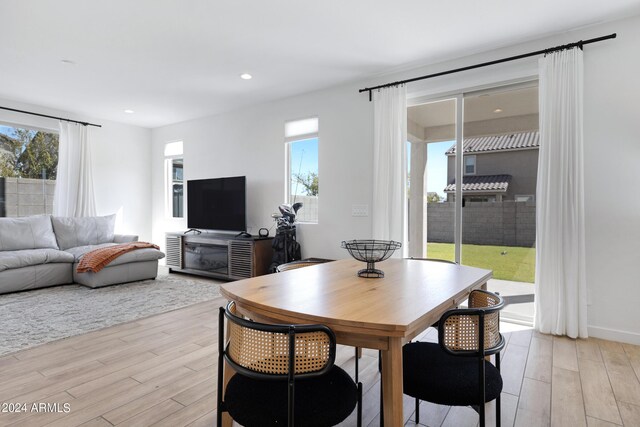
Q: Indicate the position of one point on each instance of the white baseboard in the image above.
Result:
(614, 335)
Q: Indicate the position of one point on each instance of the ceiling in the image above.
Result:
(171, 61)
(496, 104)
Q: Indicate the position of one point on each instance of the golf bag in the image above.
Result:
(285, 245)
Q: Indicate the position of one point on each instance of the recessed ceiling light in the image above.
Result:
(68, 61)
(129, 111)
(246, 76)
(498, 110)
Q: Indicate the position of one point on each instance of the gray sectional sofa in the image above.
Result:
(44, 250)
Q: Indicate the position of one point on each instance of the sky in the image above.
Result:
(6, 130)
(304, 159)
(436, 166)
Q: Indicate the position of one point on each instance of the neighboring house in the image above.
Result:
(496, 168)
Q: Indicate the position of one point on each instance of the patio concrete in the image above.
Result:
(518, 300)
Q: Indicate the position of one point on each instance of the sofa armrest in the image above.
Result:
(124, 238)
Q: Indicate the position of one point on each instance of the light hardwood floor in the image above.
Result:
(161, 371)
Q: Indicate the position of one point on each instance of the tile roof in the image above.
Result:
(513, 141)
(482, 183)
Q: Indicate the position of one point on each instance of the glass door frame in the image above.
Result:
(458, 97)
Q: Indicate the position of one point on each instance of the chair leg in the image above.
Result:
(359, 404)
(498, 410)
(417, 410)
(357, 366)
(219, 409)
(482, 395)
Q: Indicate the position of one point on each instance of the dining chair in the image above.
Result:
(455, 371)
(298, 264)
(285, 375)
(434, 259)
(433, 325)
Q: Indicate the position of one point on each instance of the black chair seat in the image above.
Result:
(319, 401)
(431, 374)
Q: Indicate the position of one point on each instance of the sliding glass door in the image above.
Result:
(472, 185)
(500, 166)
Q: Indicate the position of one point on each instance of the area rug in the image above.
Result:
(40, 316)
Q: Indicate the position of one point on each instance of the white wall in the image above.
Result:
(250, 142)
(121, 166)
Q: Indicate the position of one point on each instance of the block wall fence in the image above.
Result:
(23, 196)
(506, 223)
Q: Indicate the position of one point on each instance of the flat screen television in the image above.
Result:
(217, 204)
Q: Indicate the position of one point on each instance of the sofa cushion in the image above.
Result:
(139, 255)
(28, 257)
(32, 232)
(72, 232)
(35, 276)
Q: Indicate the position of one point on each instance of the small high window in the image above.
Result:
(301, 138)
(174, 172)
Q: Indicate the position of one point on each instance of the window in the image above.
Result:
(28, 168)
(469, 165)
(301, 138)
(174, 164)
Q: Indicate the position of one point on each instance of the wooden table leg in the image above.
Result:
(392, 383)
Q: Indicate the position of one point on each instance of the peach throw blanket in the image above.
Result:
(98, 259)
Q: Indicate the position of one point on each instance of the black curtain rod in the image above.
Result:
(497, 61)
(50, 117)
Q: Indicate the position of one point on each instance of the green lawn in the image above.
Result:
(517, 264)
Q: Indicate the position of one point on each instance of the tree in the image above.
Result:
(433, 198)
(40, 156)
(309, 182)
(10, 149)
(28, 153)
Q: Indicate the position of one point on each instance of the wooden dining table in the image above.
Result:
(378, 313)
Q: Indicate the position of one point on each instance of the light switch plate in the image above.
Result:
(359, 210)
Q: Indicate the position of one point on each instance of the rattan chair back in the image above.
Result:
(475, 330)
(434, 259)
(296, 264)
(264, 350)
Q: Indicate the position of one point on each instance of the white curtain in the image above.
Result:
(560, 289)
(74, 182)
(389, 139)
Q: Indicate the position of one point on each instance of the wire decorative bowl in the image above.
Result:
(371, 251)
